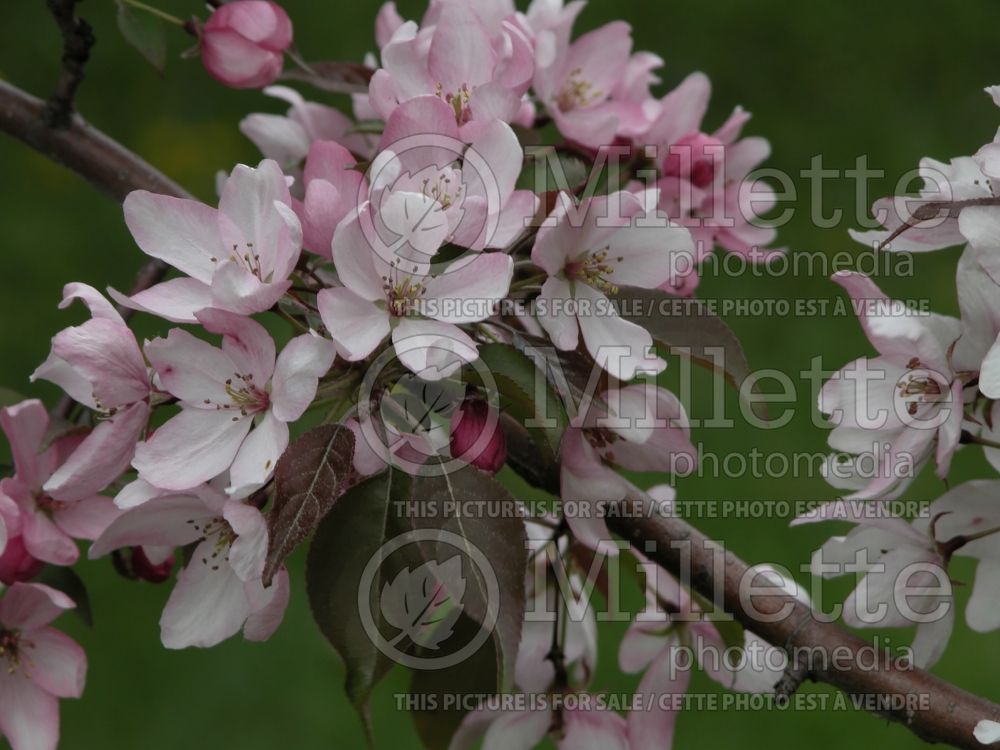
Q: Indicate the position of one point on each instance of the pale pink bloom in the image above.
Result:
(38, 666)
(654, 636)
(978, 349)
(581, 87)
(391, 288)
(387, 22)
(590, 251)
(236, 402)
(705, 183)
(480, 71)
(894, 555)
(220, 591)
(551, 22)
(288, 138)
(903, 406)
(243, 43)
(958, 180)
(47, 526)
(478, 199)
(101, 366)
(639, 428)
(333, 188)
(237, 257)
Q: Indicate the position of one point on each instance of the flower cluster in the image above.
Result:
(932, 388)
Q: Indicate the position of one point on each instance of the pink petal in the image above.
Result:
(176, 300)
(191, 368)
(520, 730)
(460, 52)
(29, 716)
(245, 341)
(178, 231)
(29, 606)
(46, 541)
(431, 349)
(25, 425)
(303, 361)
(193, 447)
(594, 730)
(356, 325)
(87, 519)
(103, 456)
(654, 730)
(247, 554)
(172, 521)
(259, 454)
(267, 606)
(107, 355)
(56, 663)
(99, 306)
(555, 316)
(235, 61)
(469, 290)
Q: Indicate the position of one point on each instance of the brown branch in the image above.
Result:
(952, 713)
(78, 39)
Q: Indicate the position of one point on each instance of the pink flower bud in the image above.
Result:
(695, 158)
(16, 564)
(244, 42)
(147, 570)
(476, 437)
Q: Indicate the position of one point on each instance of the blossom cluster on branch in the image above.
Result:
(433, 257)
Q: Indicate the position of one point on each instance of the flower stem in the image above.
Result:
(162, 15)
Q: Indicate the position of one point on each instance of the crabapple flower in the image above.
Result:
(919, 224)
(902, 406)
(237, 258)
(101, 366)
(620, 242)
(454, 56)
(47, 526)
(389, 289)
(332, 189)
(476, 437)
(477, 200)
(288, 138)
(704, 183)
(578, 87)
(638, 428)
(243, 44)
(236, 402)
(905, 576)
(38, 666)
(219, 592)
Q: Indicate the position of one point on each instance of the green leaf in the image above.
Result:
(473, 509)
(146, 33)
(519, 381)
(67, 581)
(315, 471)
(358, 526)
(436, 719)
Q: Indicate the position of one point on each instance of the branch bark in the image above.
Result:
(78, 40)
(952, 713)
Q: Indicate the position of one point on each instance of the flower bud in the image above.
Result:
(134, 563)
(16, 563)
(244, 42)
(476, 437)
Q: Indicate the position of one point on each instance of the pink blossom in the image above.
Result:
(382, 259)
(906, 228)
(589, 84)
(895, 555)
(638, 428)
(236, 402)
(219, 592)
(101, 366)
(480, 69)
(333, 187)
(705, 183)
(237, 257)
(243, 44)
(589, 252)
(904, 405)
(478, 199)
(288, 138)
(38, 666)
(978, 348)
(47, 526)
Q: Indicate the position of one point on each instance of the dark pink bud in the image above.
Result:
(243, 44)
(695, 158)
(146, 570)
(476, 437)
(16, 563)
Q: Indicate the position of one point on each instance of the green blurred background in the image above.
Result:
(895, 80)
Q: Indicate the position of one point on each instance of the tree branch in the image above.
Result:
(78, 40)
(952, 712)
